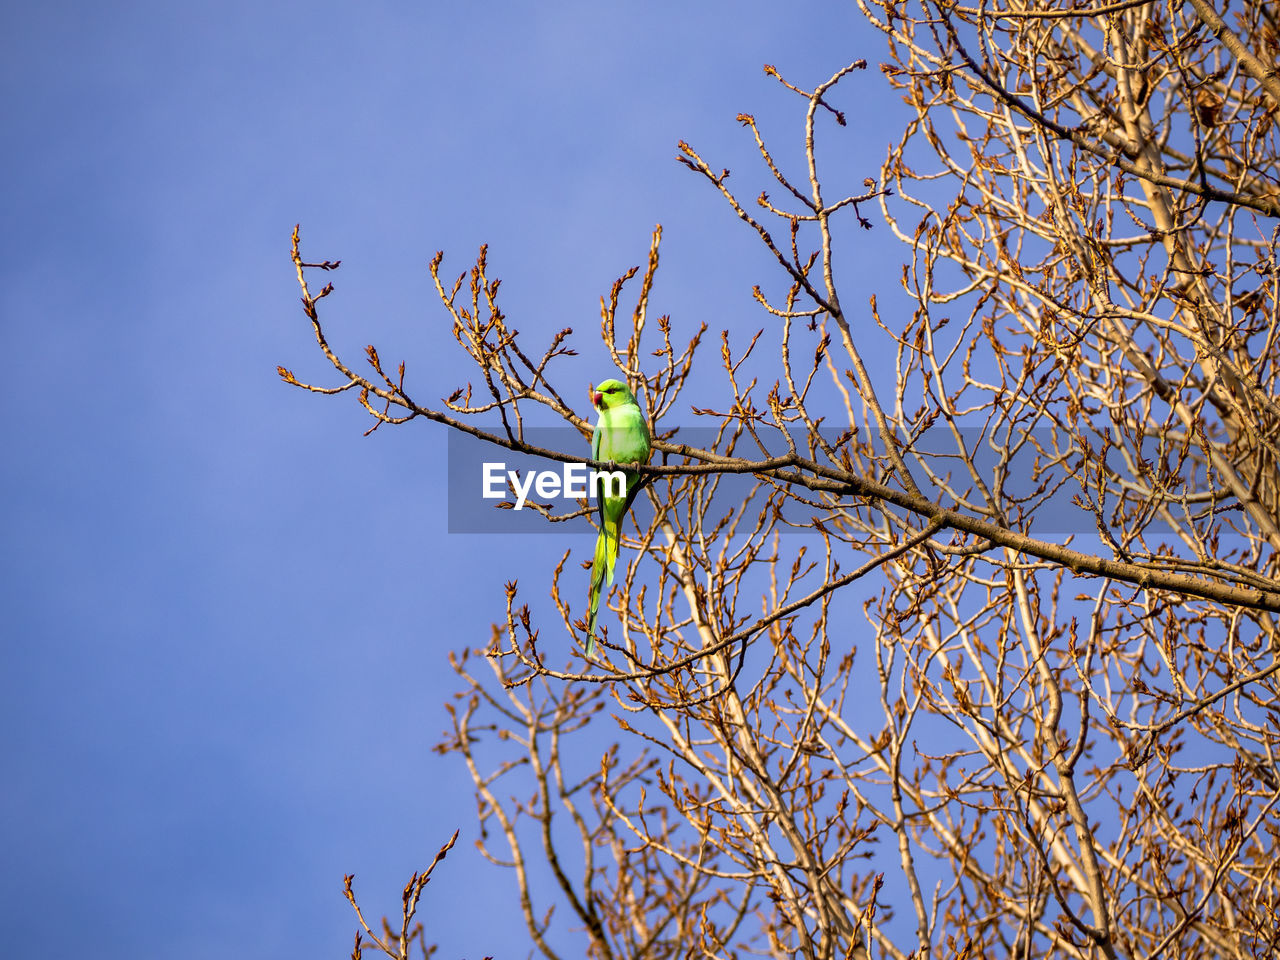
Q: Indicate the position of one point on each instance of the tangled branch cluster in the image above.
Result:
(923, 727)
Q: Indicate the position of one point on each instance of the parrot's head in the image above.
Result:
(610, 393)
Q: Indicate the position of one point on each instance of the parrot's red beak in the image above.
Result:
(597, 398)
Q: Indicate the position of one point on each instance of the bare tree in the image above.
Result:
(926, 727)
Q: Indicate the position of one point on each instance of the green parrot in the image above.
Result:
(621, 436)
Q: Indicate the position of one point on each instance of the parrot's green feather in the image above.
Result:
(621, 436)
(601, 568)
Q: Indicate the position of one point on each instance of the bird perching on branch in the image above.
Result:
(621, 437)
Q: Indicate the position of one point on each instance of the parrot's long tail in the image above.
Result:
(601, 575)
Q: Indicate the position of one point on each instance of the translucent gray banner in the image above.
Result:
(495, 490)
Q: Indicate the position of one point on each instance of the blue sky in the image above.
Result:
(226, 614)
